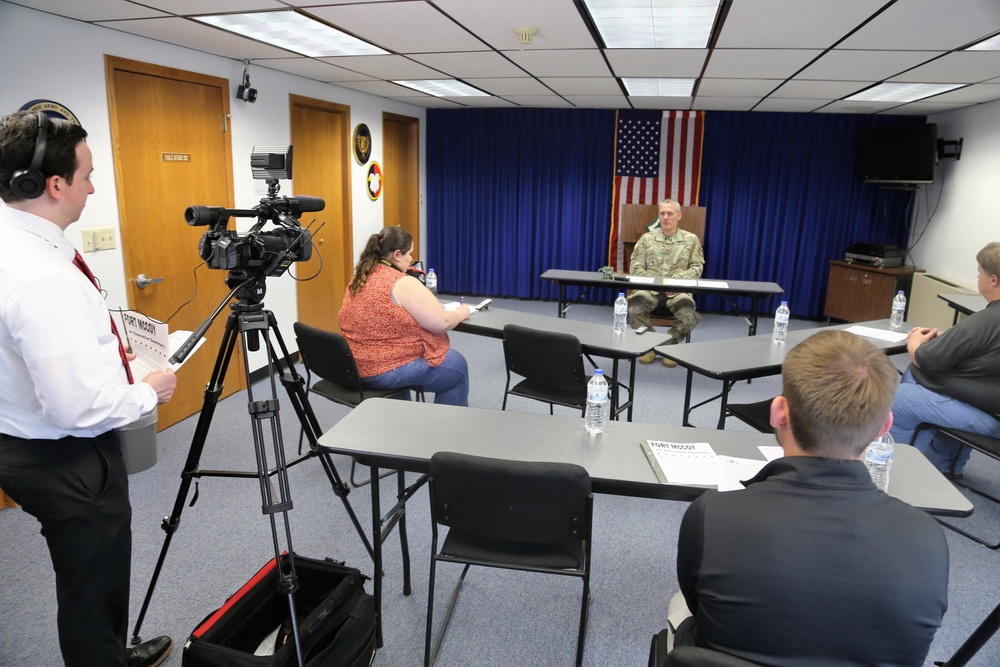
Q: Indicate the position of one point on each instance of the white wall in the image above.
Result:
(965, 193)
(47, 57)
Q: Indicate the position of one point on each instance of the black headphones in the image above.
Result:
(30, 183)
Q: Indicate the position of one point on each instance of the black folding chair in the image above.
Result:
(757, 415)
(516, 515)
(327, 355)
(981, 443)
(551, 365)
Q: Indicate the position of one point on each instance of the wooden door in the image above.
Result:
(321, 146)
(171, 148)
(401, 174)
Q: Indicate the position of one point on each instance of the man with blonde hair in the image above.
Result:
(954, 377)
(810, 563)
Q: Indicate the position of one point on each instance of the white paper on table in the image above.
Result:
(718, 284)
(645, 280)
(451, 305)
(733, 470)
(771, 452)
(692, 463)
(680, 282)
(880, 334)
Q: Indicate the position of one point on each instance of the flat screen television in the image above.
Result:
(900, 154)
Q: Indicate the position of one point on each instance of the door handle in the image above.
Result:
(142, 281)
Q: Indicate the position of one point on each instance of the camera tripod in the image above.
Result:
(248, 322)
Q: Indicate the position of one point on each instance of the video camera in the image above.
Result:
(258, 253)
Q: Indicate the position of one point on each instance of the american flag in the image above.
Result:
(657, 157)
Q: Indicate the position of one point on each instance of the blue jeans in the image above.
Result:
(449, 382)
(915, 404)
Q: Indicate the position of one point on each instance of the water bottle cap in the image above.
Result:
(899, 292)
(598, 371)
(621, 293)
(784, 303)
(430, 269)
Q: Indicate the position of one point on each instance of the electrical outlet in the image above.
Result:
(105, 238)
(89, 244)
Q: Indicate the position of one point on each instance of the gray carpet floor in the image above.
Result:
(503, 618)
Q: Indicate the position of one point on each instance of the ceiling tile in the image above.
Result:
(558, 21)
(198, 36)
(599, 101)
(188, 7)
(964, 67)
(974, 94)
(737, 87)
(928, 24)
(792, 24)
(725, 103)
(819, 90)
(866, 106)
(757, 63)
(583, 85)
(92, 10)
(310, 68)
(848, 65)
(470, 64)
(403, 27)
(386, 67)
(481, 101)
(657, 62)
(785, 105)
(508, 87)
(561, 63)
(538, 101)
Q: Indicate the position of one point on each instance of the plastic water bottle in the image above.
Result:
(597, 403)
(780, 323)
(878, 460)
(432, 280)
(898, 309)
(621, 314)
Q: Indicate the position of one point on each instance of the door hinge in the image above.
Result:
(225, 122)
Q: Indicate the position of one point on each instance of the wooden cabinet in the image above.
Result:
(858, 293)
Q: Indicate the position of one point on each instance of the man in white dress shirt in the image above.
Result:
(66, 388)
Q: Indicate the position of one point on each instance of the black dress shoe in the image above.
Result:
(149, 654)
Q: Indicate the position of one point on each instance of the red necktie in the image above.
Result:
(82, 265)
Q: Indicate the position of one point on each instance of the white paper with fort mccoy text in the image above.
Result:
(152, 344)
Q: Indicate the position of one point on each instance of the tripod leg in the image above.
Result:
(170, 523)
(295, 387)
(266, 413)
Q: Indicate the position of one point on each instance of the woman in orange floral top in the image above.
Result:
(396, 327)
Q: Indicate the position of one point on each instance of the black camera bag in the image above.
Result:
(336, 620)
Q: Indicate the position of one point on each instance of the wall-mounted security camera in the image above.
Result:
(244, 91)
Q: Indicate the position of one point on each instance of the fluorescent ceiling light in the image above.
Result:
(991, 44)
(659, 87)
(902, 92)
(444, 88)
(654, 24)
(295, 32)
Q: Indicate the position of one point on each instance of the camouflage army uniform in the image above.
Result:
(679, 256)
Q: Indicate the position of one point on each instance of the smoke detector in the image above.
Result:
(526, 33)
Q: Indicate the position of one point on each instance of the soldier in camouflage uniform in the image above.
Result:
(672, 253)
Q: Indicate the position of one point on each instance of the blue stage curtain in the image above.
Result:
(513, 192)
(784, 195)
